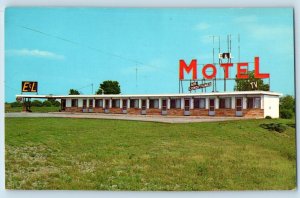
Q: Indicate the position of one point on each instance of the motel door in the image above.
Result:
(106, 109)
(84, 106)
(63, 104)
(186, 106)
(164, 107)
(124, 106)
(211, 111)
(239, 106)
(144, 106)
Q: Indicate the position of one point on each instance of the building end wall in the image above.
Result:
(271, 106)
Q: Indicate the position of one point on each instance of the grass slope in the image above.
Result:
(64, 153)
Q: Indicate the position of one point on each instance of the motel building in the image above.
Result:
(251, 104)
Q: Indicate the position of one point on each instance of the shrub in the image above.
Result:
(287, 102)
(16, 104)
(56, 103)
(36, 103)
(268, 117)
(293, 125)
(286, 113)
(47, 103)
(278, 127)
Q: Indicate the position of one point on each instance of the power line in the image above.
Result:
(86, 46)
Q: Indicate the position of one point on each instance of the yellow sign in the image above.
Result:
(29, 86)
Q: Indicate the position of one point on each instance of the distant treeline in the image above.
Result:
(38, 103)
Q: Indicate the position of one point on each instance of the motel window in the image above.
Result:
(98, 103)
(91, 101)
(134, 103)
(225, 103)
(175, 103)
(115, 103)
(153, 103)
(74, 103)
(199, 103)
(253, 103)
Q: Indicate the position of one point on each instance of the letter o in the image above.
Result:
(207, 66)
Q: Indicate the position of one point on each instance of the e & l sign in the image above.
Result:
(29, 86)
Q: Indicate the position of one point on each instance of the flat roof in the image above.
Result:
(234, 93)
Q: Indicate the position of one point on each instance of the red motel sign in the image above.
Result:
(242, 69)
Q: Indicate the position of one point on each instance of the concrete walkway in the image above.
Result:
(150, 118)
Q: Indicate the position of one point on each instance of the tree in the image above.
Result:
(16, 104)
(109, 87)
(47, 103)
(287, 106)
(251, 84)
(74, 92)
(287, 102)
(36, 103)
(54, 102)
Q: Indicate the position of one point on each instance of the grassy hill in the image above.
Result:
(65, 153)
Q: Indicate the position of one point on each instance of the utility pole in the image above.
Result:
(214, 81)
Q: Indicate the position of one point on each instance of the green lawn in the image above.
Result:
(68, 153)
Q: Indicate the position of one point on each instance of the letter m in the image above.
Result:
(183, 66)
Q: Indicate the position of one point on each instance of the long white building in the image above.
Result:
(256, 104)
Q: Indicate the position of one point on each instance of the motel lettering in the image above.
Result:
(242, 69)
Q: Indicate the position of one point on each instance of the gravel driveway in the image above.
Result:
(150, 118)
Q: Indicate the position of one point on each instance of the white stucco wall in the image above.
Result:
(271, 106)
(121, 103)
(192, 103)
(147, 103)
(232, 102)
(140, 103)
(207, 103)
(68, 102)
(244, 103)
(168, 104)
(182, 103)
(80, 102)
(216, 103)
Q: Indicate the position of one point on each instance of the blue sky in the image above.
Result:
(64, 48)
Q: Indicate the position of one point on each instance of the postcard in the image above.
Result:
(149, 99)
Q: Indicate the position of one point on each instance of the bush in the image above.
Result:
(47, 103)
(286, 113)
(56, 103)
(268, 117)
(293, 125)
(36, 103)
(287, 102)
(16, 104)
(278, 127)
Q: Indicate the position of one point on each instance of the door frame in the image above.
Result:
(212, 112)
(239, 113)
(164, 109)
(187, 107)
(143, 107)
